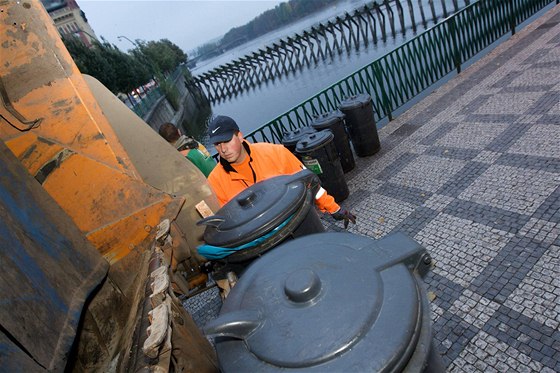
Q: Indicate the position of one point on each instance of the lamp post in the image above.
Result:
(144, 58)
(124, 37)
(87, 41)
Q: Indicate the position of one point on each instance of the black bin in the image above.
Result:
(260, 217)
(361, 124)
(291, 138)
(318, 153)
(330, 302)
(334, 121)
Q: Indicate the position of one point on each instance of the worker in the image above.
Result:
(242, 165)
(189, 147)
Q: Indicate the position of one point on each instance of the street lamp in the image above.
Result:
(87, 41)
(146, 59)
(124, 37)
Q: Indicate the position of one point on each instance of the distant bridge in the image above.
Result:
(370, 23)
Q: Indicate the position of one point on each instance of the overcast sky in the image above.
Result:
(187, 23)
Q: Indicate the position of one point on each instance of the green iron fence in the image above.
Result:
(400, 75)
(147, 102)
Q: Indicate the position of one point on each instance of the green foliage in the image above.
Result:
(92, 61)
(187, 75)
(170, 91)
(283, 14)
(123, 72)
(163, 55)
(130, 72)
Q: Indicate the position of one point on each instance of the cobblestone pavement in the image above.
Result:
(472, 173)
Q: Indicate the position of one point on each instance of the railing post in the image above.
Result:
(512, 22)
(384, 95)
(455, 40)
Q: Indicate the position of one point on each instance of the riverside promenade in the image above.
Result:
(472, 172)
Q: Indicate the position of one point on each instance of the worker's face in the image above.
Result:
(232, 150)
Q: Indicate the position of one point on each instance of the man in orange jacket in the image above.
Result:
(242, 165)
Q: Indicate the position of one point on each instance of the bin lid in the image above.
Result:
(326, 120)
(291, 138)
(330, 301)
(314, 141)
(258, 209)
(356, 101)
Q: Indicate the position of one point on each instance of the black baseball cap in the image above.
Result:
(221, 129)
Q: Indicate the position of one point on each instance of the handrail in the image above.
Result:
(150, 99)
(400, 75)
(370, 22)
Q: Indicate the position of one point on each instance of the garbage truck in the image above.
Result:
(98, 220)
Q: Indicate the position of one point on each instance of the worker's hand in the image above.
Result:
(345, 215)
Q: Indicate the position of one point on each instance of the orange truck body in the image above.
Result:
(60, 140)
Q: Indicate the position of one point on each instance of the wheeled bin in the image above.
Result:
(361, 124)
(260, 217)
(291, 138)
(330, 302)
(318, 153)
(334, 121)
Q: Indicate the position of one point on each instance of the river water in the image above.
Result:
(255, 107)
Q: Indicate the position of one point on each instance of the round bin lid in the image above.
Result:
(313, 141)
(257, 210)
(327, 120)
(323, 302)
(291, 138)
(354, 102)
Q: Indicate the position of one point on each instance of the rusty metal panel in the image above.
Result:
(54, 125)
(48, 270)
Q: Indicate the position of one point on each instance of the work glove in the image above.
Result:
(345, 215)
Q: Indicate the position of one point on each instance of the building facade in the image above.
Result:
(70, 20)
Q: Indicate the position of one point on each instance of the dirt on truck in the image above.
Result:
(98, 220)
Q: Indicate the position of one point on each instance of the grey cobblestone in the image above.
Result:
(472, 173)
(486, 156)
(471, 135)
(539, 140)
(427, 172)
(505, 187)
(463, 179)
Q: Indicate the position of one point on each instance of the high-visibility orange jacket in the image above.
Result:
(264, 161)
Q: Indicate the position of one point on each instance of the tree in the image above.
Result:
(130, 72)
(163, 54)
(120, 71)
(282, 14)
(92, 61)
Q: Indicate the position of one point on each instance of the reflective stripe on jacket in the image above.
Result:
(264, 161)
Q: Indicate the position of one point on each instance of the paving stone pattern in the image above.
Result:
(476, 180)
(472, 173)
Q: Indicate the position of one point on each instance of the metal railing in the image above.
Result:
(371, 23)
(150, 99)
(400, 75)
(147, 102)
